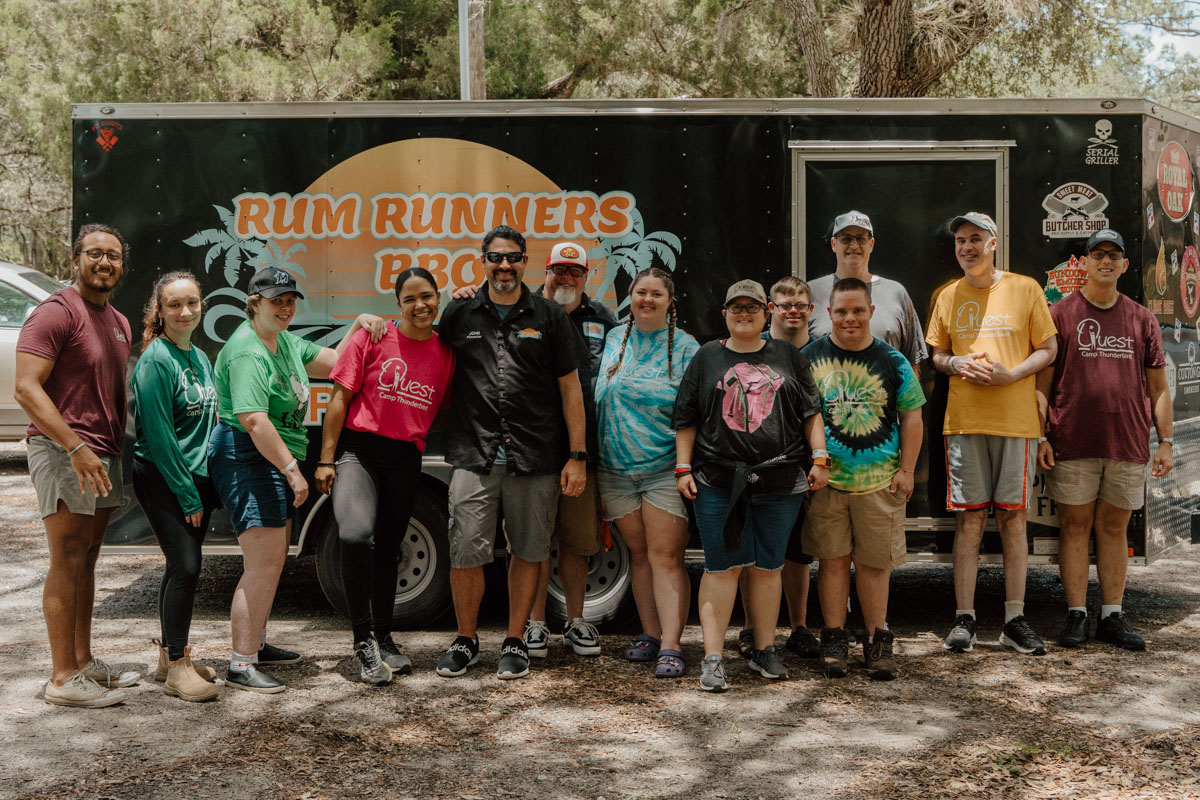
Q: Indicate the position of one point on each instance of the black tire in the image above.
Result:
(608, 599)
(423, 576)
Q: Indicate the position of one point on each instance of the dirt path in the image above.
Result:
(1091, 723)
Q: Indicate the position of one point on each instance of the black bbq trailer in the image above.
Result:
(347, 195)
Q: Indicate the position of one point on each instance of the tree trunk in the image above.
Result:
(818, 57)
(478, 71)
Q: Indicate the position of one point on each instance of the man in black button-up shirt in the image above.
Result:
(516, 379)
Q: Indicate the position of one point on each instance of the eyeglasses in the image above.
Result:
(785, 307)
(512, 258)
(860, 240)
(113, 256)
(563, 269)
(1113, 255)
(744, 308)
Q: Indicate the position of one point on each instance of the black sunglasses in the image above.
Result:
(512, 258)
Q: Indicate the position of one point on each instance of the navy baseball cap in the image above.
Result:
(272, 282)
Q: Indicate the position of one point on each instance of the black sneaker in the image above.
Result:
(878, 656)
(835, 650)
(766, 663)
(803, 643)
(514, 660)
(462, 654)
(390, 652)
(1115, 630)
(251, 679)
(1074, 633)
(1020, 637)
(745, 643)
(270, 654)
(961, 638)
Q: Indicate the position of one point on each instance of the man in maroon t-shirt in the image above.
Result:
(71, 361)
(1097, 402)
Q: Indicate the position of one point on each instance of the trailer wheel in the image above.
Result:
(423, 572)
(608, 598)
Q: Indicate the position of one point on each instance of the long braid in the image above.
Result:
(624, 342)
(670, 337)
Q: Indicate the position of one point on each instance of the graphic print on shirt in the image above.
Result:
(295, 419)
(197, 396)
(1093, 343)
(394, 385)
(749, 395)
(971, 322)
(855, 399)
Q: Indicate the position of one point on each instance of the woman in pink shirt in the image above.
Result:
(385, 399)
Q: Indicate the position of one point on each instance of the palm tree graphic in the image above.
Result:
(634, 252)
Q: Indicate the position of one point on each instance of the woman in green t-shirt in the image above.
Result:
(255, 452)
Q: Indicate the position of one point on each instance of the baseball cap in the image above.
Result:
(272, 282)
(747, 288)
(852, 219)
(976, 218)
(567, 253)
(1106, 235)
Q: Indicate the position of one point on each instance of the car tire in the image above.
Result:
(608, 599)
(423, 576)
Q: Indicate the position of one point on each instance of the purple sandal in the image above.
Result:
(644, 648)
(670, 664)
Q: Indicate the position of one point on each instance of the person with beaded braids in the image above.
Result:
(174, 412)
(643, 363)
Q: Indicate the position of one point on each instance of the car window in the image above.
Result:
(40, 280)
(15, 306)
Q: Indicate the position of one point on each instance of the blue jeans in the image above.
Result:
(769, 522)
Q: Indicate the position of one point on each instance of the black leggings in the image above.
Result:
(180, 543)
(377, 482)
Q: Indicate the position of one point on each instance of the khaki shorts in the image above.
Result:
(984, 470)
(869, 527)
(1080, 481)
(578, 524)
(54, 479)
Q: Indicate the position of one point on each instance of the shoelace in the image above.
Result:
(371, 659)
(105, 668)
(84, 684)
(589, 631)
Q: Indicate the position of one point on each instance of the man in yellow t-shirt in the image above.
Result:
(991, 332)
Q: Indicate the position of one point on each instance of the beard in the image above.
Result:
(565, 296)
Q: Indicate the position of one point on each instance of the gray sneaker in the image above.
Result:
(767, 664)
(537, 638)
(373, 669)
(712, 674)
(582, 637)
(389, 651)
(109, 677)
(80, 691)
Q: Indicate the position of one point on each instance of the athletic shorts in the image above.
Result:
(1080, 481)
(254, 492)
(54, 479)
(624, 494)
(577, 525)
(984, 470)
(869, 527)
(529, 503)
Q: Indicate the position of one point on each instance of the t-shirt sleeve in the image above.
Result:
(910, 396)
(1155, 356)
(46, 330)
(153, 389)
(938, 335)
(687, 401)
(914, 341)
(308, 349)
(249, 384)
(810, 396)
(686, 352)
(351, 364)
(1041, 325)
(448, 375)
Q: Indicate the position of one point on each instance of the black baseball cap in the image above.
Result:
(1106, 235)
(273, 281)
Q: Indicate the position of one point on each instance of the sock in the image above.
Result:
(262, 638)
(240, 663)
(1013, 608)
(970, 612)
(1107, 611)
(870, 638)
(1078, 608)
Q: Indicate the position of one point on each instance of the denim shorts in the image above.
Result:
(770, 519)
(624, 494)
(253, 491)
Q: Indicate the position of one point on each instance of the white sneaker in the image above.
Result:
(80, 691)
(108, 676)
(537, 638)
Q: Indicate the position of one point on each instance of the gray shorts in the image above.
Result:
(54, 480)
(984, 470)
(530, 504)
(1081, 481)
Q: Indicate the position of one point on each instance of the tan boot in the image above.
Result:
(183, 682)
(160, 674)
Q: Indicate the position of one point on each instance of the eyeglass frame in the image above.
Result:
(513, 258)
(786, 307)
(745, 308)
(861, 240)
(575, 270)
(97, 255)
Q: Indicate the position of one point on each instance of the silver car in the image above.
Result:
(21, 289)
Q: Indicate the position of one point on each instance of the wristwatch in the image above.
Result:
(822, 461)
(578, 455)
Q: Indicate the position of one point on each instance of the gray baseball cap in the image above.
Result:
(976, 218)
(852, 219)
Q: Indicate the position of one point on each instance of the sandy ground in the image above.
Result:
(1095, 722)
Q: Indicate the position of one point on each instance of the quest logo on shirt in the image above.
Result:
(970, 322)
(1093, 343)
(395, 386)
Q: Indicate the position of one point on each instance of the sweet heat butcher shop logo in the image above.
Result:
(106, 133)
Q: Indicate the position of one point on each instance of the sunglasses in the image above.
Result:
(1100, 255)
(512, 258)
